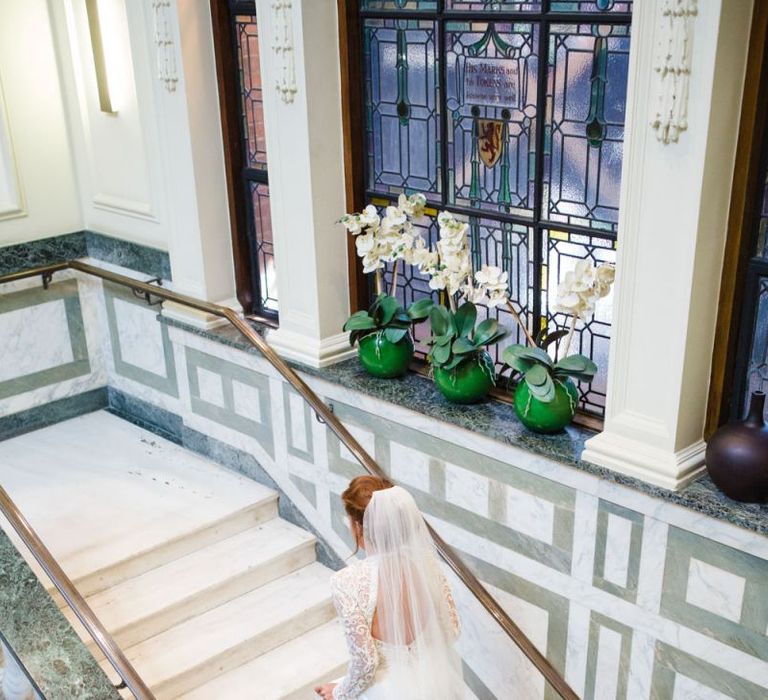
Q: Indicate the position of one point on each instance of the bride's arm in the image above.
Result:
(453, 615)
(363, 654)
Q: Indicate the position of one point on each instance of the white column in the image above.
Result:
(16, 685)
(672, 232)
(199, 244)
(306, 175)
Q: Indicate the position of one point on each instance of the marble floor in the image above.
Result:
(187, 564)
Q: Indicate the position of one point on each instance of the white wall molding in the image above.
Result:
(165, 48)
(672, 65)
(313, 353)
(284, 51)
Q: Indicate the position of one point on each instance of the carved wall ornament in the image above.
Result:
(282, 46)
(167, 69)
(672, 65)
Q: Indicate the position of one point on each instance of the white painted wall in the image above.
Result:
(38, 192)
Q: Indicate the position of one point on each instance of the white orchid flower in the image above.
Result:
(365, 244)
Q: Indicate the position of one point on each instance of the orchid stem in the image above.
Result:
(520, 323)
(378, 281)
(451, 302)
(569, 338)
(393, 288)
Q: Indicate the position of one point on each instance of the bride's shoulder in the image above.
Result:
(351, 575)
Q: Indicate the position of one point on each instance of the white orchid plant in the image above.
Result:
(577, 296)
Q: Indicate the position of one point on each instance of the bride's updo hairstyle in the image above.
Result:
(358, 495)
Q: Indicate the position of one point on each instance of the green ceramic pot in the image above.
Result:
(469, 382)
(547, 417)
(382, 358)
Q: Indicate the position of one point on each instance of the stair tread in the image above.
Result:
(161, 490)
(269, 609)
(215, 564)
(318, 656)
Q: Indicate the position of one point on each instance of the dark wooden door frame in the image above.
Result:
(742, 221)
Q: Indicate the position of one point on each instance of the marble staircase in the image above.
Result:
(210, 594)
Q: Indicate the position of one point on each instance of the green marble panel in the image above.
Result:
(628, 592)
(670, 661)
(308, 454)
(165, 383)
(67, 292)
(556, 555)
(596, 622)
(227, 416)
(749, 633)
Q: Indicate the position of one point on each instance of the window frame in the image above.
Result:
(736, 310)
(351, 41)
(238, 176)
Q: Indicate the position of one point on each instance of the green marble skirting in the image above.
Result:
(41, 637)
(82, 244)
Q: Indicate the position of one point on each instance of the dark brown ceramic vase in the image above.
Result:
(737, 455)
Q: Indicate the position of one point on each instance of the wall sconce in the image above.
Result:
(99, 61)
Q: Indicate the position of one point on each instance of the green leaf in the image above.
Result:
(359, 321)
(461, 346)
(540, 383)
(440, 354)
(386, 310)
(536, 355)
(485, 330)
(465, 319)
(440, 320)
(420, 309)
(576, 366)
(395, 335)
(454, 362)
(500, 334)
(511, 357)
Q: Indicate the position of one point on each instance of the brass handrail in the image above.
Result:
(461, 570)
(74, 599)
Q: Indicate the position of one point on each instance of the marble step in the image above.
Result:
(144, 561)
(99, 491)
(148, 604)
(235, 633)
(288, 672)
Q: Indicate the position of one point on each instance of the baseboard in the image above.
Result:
(669, 470)
(53, 412)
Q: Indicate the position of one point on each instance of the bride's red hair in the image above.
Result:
(358, 495)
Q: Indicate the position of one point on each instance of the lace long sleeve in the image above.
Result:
(453, 615)
(364, 658)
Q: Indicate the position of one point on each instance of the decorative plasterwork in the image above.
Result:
(167, 70)
(672, 65)
(282, 46)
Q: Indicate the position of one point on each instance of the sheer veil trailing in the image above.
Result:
(412, 614)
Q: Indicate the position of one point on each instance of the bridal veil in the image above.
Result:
(413, 619)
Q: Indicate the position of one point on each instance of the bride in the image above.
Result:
(395, 605)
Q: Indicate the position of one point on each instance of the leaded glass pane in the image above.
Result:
(591, 6)
(563, 251)
(265, 253)
(757, 371)
(407, 5)
(493, 5)
(587, 90)
(402, 113)
(762, 233)
(247, 34)
(491, 102)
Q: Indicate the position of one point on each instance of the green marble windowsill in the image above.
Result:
(497, 420)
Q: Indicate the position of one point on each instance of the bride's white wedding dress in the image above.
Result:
(401, 584)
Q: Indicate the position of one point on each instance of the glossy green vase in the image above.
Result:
(469, 382)
(547, 417)
(382, 358)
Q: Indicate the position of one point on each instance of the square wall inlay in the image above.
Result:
(714, 589)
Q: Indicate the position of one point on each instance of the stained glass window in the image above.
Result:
(757, 369)
(510, 113)
(255, 175)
